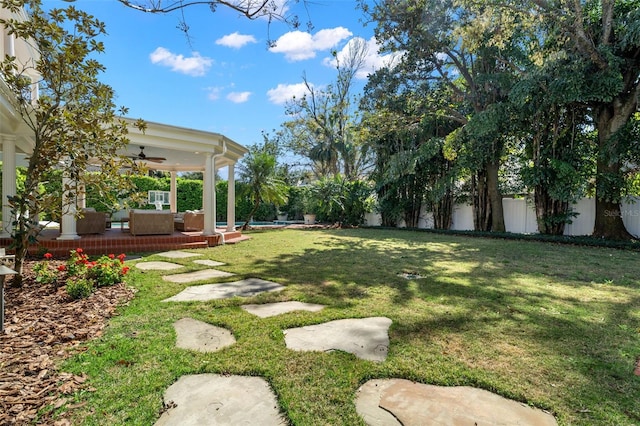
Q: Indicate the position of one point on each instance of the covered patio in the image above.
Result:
(167, 148)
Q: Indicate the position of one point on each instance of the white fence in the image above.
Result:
(520, 217)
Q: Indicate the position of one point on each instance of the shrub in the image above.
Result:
(84, 275)
(107, 270)
(338, 200)
(77, 263)
(79, 288)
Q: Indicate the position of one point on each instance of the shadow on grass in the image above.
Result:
(576, 307)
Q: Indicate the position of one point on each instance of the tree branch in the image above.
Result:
(251, 9)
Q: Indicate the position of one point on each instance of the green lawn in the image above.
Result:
(555, 326)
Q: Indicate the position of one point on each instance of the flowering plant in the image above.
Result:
(44, 272)
(107, 270)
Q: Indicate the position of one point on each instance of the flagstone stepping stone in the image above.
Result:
(366, 338)
(272, 309)
(200, 336)
(158, 266)
(204, 274)
(177, 254)
(242, 288)
(396, 402)
(208, 262)
(212, 399)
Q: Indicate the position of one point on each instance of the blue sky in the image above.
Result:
(227, 80)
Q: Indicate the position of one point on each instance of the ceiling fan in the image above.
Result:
(142, 156)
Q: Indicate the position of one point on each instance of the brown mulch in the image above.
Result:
(43, 326)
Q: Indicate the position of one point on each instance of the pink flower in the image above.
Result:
(62, 268)
(112, 256)
(48, 256)
(79, 250)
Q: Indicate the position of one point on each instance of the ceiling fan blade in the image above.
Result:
(143, 157)
(156, 159)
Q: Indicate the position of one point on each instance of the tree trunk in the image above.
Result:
(412, 214)
(443, 212)
(495, 197)
(608, 223)
(551, 214)
(481, 205)
(253, 211)
(22, 236)
(414, 205)
(609, 120)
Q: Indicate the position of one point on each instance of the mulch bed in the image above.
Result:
(43, 326)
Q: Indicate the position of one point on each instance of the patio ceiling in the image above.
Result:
(184, 149)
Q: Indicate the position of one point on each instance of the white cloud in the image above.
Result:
(195, 65)
(299, 45)
(238, 97)
(213, 93)
(236, 40)
(372, 61)
(286, 92)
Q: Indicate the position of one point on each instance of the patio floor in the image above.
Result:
(116, 241)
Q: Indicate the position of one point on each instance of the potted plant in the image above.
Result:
(282, 216)
(310, 203)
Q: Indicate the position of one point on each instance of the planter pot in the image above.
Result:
(282, 217)
(309, 219)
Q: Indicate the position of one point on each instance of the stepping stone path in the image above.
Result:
(177, 254)
(158, 266)
(273, 309)
(208, 262)
(366, 338)
(397, 402)
(211, 399)
(234, 400)
(204, 274)
(242, 288)
(200, 336)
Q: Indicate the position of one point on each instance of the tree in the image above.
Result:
(468, 48)
(258, 169)
(411, 170)
(601, 42)
(73, 120)
(558, 142)
(324, 125)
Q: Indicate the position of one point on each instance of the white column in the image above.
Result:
(10, 44)
(8, 181)
(231, 199)
(208, 191)
(173, 201)
(214, 203)
(68, 222)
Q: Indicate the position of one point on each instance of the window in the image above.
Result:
(160, 198)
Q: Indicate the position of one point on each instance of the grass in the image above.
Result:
(553, 326)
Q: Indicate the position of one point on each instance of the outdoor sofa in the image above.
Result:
(150, 222)
(91, 222)
(189, 221)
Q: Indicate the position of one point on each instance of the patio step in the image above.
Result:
(198, 244)
(234, 240)
(119, 241)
